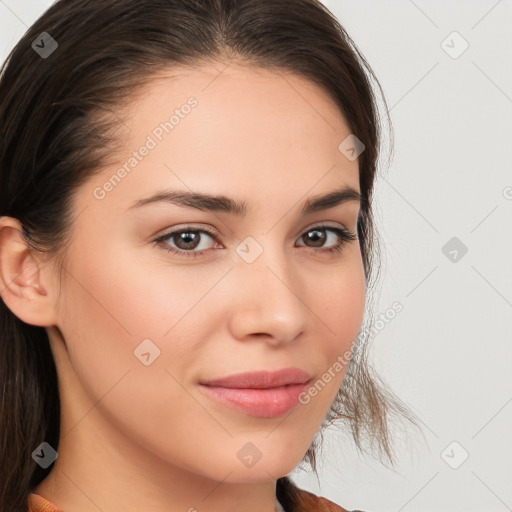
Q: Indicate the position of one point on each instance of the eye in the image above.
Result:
(187, 241)
(318, 235)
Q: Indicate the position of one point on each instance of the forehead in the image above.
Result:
(232, 97)
(249, 128)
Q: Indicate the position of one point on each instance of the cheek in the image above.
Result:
(114, 303)
(106, 322)
(340, 301)
(109, 305)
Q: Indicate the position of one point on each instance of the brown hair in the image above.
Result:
(58, 122)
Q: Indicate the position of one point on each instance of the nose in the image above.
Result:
(267, 301)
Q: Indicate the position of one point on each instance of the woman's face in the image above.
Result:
(256, 287)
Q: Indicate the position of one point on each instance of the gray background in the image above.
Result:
(448, 352)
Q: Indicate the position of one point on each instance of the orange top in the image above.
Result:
(37, 503)
(295, 500)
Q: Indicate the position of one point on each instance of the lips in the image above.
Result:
(264, 394)
(261, 379)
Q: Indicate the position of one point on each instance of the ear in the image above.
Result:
(21, 272)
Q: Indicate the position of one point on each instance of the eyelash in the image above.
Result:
(344, 235)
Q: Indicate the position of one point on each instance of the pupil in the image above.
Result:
(187, 239)
(319, 236)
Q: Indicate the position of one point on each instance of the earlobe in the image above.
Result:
(20, 277)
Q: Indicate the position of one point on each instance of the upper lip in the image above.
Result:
(263, 379)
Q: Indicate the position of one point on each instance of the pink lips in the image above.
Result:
(264, 394)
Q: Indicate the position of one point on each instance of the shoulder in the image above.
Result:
(294, 499)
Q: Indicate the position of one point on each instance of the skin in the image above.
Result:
(136, 437)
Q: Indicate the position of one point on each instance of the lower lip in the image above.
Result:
(264, 403)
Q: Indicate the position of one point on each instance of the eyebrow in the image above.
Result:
(220, 203)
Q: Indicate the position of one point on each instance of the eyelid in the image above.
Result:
(189, 227)
(214, 233)
(324, 225)
(344, 235)
(183, 229)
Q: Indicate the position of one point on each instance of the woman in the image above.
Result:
(186, 243)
